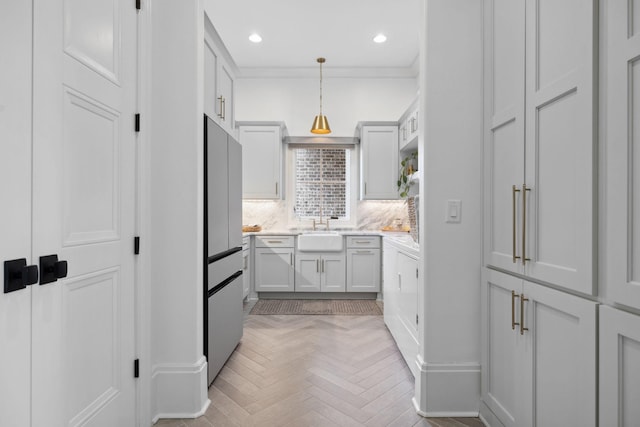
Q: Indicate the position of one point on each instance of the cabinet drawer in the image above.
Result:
(274, 241)
(363, 242)
(245, 243)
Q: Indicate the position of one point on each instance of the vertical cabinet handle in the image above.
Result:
(276, 188)
(522, 301)
(399, 281)
(224, 109)
(220, 107)
(323, 266)
(514, 190)
(365, 188)
(513, 310)
(524, 223)
(291, 259)
(317, 266)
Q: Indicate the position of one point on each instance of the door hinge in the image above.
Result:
(136, 245)
(416, 319)
(137, 125)
(136, 368)
(138, 5)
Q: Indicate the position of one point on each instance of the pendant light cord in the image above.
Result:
(320, 88)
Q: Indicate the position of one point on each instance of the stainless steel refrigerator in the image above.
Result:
(223, 246)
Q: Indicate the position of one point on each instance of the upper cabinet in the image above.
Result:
(408, 128)
(622, 146)
(262, 158)
(218, 81)
(539, 140)
(378, 161)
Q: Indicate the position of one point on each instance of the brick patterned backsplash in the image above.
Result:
(321, 175)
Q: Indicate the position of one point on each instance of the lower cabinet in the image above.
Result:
(320, 272)
(539, 354)
(363, 264)
(246, 267)
(274, 265)
(400, 293)
(619, 368)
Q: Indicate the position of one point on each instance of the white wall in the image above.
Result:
(345, 101)
(450, 148)
(175, 241)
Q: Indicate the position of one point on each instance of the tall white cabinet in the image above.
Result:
(539, 344)
(539, 358)
(539, 140)
(619, 331)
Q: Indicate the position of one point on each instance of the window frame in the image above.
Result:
(351, 187)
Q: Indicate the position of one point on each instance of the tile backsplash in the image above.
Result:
(372, 215)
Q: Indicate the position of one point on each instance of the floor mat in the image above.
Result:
(313, 306)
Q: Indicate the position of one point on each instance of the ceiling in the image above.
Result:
(295, 32)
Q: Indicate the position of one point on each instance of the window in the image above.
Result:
(322, 177)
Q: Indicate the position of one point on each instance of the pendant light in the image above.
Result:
(320, 123)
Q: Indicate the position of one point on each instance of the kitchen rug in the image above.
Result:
(317, 306)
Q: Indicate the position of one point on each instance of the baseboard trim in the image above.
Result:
(179, 390)
(447, 389)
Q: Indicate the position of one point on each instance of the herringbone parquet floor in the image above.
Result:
(302, 371)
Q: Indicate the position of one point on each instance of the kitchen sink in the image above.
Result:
(320, 242)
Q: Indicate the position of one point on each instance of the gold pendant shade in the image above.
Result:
(320, 123)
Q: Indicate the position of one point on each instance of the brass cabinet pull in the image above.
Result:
(224, 109)
(514, 190)
(522, 301)
(513, 310)
(524, 223)
(220, 98)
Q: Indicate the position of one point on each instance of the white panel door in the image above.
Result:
(560, 137)
(560, 358)
(261, 162)
(504, 135)
(274, 270)
(363, 270)
(502, 382)
(307, 273)
(83, 210)
(334, 275)
(408, 296)
(619, 368)
(623, 152)
(15, 215)
(379, 162)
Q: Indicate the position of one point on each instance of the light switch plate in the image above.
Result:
(454, 212)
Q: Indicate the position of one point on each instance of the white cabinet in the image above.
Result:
(400, 293)
(539, 141)
(274, 264)
(363, 264)
(218, 81)
(539, 354)
(619, 368)
(324, 272)
(622, 147)
(262, 153)
(408, 132)
(378, 161)
(246, 266)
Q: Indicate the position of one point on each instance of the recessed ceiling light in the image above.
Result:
(380, 38)
(255, 38)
